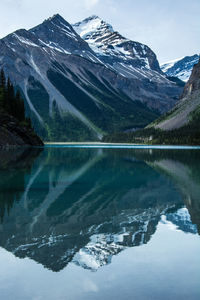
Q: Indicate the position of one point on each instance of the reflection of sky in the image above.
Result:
(168, 267)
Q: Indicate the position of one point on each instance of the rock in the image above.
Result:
(13, 134)
(187, 108)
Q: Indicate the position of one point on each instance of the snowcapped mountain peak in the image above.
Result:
(181, 67)
(56, 16)
(167, 65)
(93, 17)
(92, 27)
(118, 52)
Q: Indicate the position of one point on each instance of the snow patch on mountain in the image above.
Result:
(181, 67)
(169, 64)
(25, 41)
(112, 47)
(89, 26)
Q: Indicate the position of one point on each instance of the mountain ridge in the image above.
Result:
(189, 103)
(71, 93)
(181, 67)
(106, 42)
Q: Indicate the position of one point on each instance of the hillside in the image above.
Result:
(178, 126)
(187, 109)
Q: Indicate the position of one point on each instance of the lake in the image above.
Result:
(92, 222)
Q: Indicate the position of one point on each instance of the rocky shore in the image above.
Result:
(14, 134)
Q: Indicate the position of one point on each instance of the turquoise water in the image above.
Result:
(91, 222)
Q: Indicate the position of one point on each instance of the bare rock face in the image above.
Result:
(187, 109)
(12, 134)
(115, 50)
(194, 81)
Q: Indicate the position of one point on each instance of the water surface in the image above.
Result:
(99, 223)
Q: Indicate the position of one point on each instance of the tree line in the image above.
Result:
(189, 134)
(11, 101)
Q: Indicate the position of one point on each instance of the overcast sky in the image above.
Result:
(170, 27)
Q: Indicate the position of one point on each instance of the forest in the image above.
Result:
(11, 101)
(186, 135)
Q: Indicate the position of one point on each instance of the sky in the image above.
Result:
(171, 28)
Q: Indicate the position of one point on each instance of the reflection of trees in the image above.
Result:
(14, 165)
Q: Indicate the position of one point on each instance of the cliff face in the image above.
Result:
(13, 134)
(193, 83)
(187, 109)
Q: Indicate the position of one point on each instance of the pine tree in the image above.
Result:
(2, 79)
(56, 120)
(2, 89)
(19, 107)
(12, 102)
(10, 97)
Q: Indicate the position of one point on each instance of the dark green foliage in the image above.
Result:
(11, 102)
(19, 113)
(107, 109)
(66, 127)
(6, 197)
(186, 135)
(15, 166)
(2, 89)
(61, 127)
(39, 96)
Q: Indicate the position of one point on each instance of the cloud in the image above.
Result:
(90, 3)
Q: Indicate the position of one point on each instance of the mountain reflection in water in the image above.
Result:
(61, 205)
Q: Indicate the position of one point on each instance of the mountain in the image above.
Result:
(117, 52)
(187, 110)
(74, 93)
(181, 68)
(179, 126)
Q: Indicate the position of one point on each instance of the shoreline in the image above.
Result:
(116, 145)
(88, 143)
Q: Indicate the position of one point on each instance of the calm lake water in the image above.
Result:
(99, 223)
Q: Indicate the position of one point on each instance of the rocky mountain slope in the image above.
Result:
(124, 56)
(187, 110)
(181, 68)
(76, 91)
